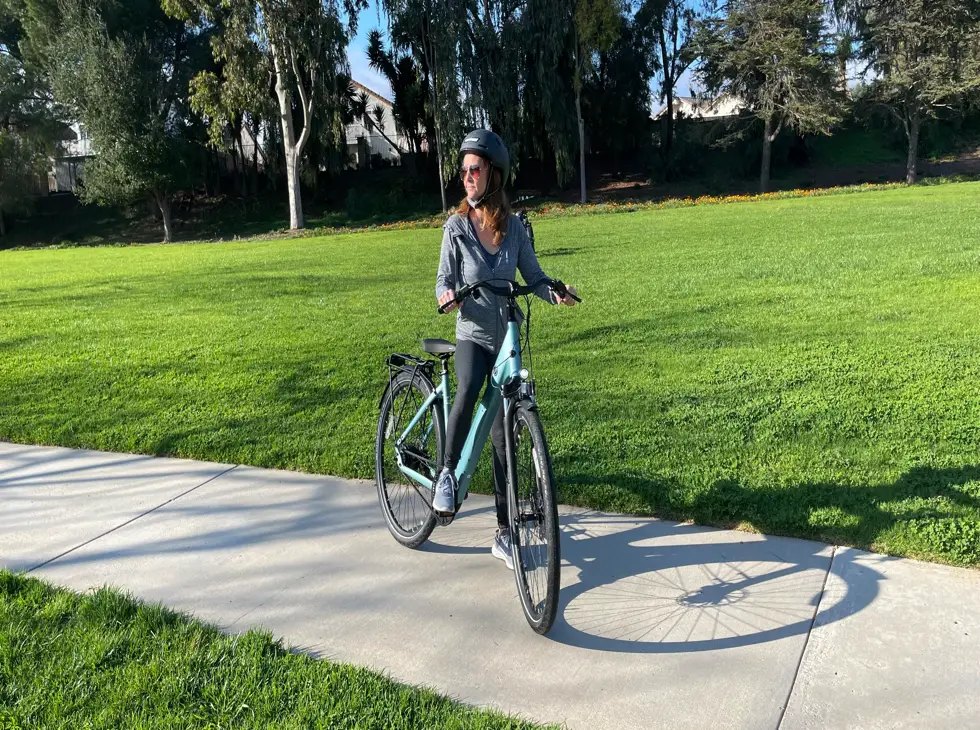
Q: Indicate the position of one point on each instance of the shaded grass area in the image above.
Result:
(63, 221)
(103, 660)
(803, 367)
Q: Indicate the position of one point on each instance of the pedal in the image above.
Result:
(444, 520)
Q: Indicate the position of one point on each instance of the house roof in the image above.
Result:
(372, 92)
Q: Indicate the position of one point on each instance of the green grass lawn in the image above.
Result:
(806, 367)
(104, 661)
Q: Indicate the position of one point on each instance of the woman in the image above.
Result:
(482, 240)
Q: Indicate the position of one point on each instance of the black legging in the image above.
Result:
(473, 366)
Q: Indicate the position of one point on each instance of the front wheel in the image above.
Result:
(533, 513)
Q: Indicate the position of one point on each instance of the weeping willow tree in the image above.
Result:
(547, 81)
(507, 65)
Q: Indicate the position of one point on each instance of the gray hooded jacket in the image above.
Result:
(463, 260)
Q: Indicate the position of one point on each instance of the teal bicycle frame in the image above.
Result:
(505, 370)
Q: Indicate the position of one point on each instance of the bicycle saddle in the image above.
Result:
(438, 347)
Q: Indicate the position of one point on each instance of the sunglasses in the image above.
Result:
(474, 170)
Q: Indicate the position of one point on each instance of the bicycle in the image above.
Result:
(411, 439)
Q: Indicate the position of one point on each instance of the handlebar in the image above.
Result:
(509, 289)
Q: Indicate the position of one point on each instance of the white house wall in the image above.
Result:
(377, 144)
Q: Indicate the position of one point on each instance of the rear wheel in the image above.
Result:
(534, 522)
(407, 505)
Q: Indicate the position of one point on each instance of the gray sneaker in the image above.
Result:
(501, 547)
(444, 499)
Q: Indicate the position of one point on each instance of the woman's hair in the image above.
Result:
(496, 207)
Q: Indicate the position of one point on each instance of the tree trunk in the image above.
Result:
(912, 129)
(435, 121)
(767, 140)
(290, 146)
(295, 193)
(163, 202)
(667, 140)
(442, 180)
(581, 143)
(372, 124)
(3, 224)
(429, 55)
(578, 113)
(253, 174)
(243, 167)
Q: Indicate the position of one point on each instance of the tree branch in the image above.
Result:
(779, 128)
(304, 101)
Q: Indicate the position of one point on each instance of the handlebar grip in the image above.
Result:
(464, 292)
(562, 290)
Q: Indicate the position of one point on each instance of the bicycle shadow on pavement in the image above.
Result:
(644, 585)
(651, 586)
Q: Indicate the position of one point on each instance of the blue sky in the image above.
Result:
(362, 71)
(357, 51)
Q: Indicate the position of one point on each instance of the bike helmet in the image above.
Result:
(488, 145)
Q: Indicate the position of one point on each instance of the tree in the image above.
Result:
(674, 23)
(408, 87)
(596, 25)
(300, 46)
(549, 125)
(924, 57)
(776, 56)
(506, 65)
(122, 68)
(433, 31)
(232, 97)
(22, 161)
(616, 96)
(29, 119)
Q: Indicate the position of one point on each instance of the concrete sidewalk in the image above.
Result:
(661, 625)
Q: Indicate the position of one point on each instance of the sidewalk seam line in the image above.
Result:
(274, 596)
(806, 644)
(130, 520)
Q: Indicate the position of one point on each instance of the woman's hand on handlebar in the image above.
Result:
(448, 296)
(569, 298)
(563, 293)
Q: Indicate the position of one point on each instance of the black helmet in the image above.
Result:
(485, 143)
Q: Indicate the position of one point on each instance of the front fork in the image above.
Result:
(533, 515)
(511, 406)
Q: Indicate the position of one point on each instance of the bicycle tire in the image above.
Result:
(533, 515)
(397, 494)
